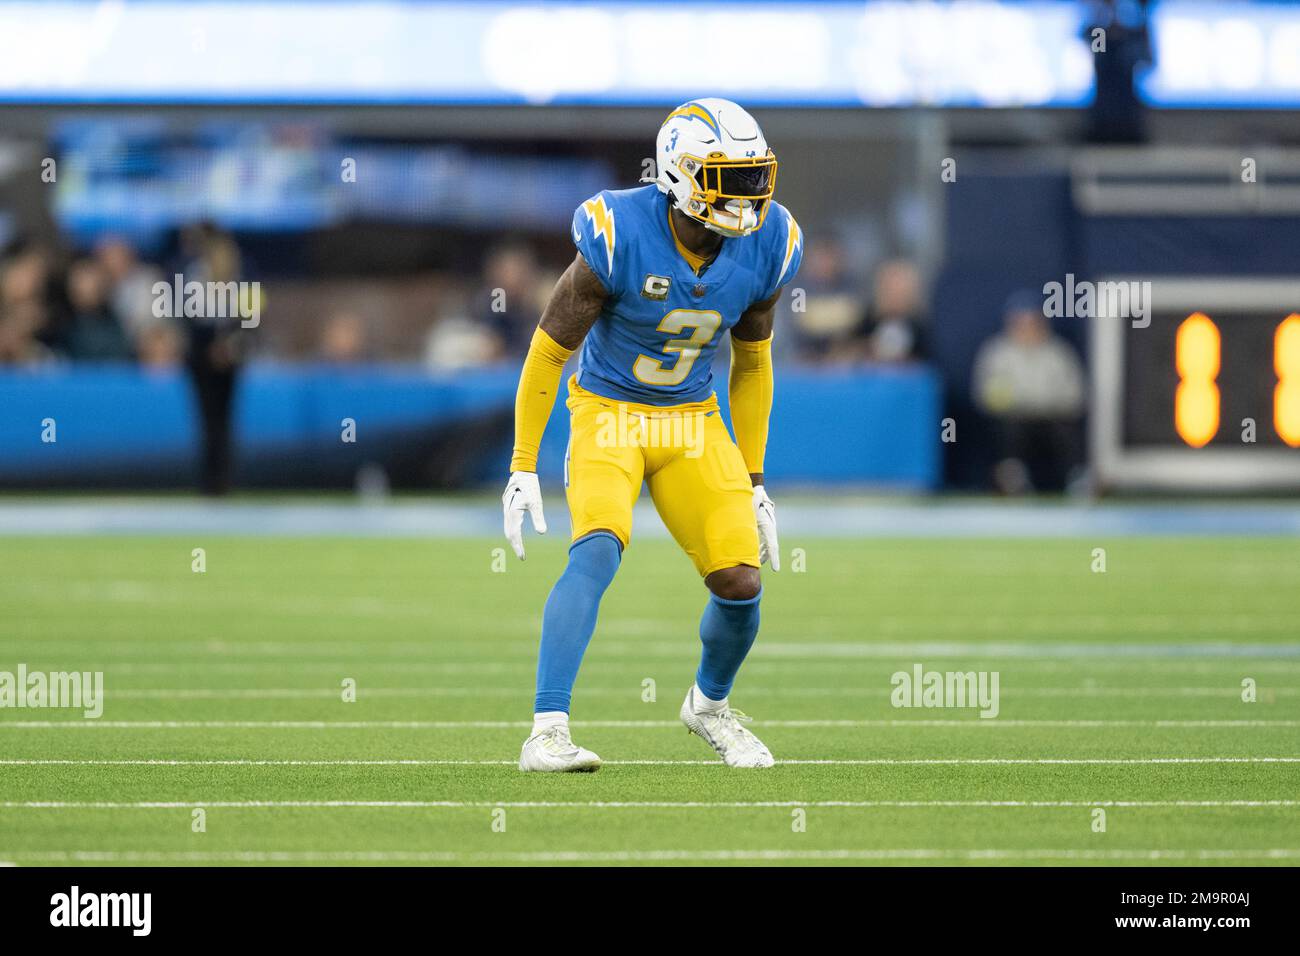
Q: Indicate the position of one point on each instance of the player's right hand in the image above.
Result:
(522, 493)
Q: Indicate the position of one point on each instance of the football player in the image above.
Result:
(662, 272)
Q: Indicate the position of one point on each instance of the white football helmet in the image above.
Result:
(714, 164)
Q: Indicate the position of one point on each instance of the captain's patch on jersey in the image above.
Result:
(656, 287)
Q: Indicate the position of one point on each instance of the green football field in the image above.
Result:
(1120, 692)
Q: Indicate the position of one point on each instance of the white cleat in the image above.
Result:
(723, 731)
(551, 751)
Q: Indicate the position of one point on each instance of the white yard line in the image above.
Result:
(1227, 667)
(515, 724)
(640, 856)
(634, 691)
(768, 651)
(620, 804)
(871, 761)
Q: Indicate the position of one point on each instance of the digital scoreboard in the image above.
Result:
(1202, 392)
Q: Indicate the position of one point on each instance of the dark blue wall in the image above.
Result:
(1006, 231)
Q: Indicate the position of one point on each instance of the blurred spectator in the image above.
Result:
(1117, 114)
(19, 344)
(25, 332)
(501, 314)
(213, 353)
(92, 331)
(832, 305)
(24, 276)
(344, 339)
(834, 326)
(1031, 382)
(82, 315)
(457, 342)
(894, 328)
(160, 346)
(508, 303)
(131, 285)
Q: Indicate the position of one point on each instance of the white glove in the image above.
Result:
(765, 514)
(522, 493)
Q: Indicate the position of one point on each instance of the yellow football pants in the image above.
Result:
(684, 453)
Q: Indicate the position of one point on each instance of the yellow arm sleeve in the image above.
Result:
(750, 390)
(539, 383)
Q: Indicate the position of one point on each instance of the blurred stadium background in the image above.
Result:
(384, 171)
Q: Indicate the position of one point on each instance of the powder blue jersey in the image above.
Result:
(656, 336)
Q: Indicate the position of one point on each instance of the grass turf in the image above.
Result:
(245, 662)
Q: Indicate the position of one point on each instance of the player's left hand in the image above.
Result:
(765, 513)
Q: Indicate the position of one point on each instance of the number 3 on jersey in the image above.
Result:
(704, 325)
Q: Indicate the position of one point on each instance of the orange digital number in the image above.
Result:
(1286, 396)
(1196, 403)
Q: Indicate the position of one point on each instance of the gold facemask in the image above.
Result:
(719, 181)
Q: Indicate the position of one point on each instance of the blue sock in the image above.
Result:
(570, 617)
(728, 629)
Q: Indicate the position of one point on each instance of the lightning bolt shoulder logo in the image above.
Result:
(601, 218)
(793, 241)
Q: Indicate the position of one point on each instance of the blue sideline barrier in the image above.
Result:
(118, 425)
